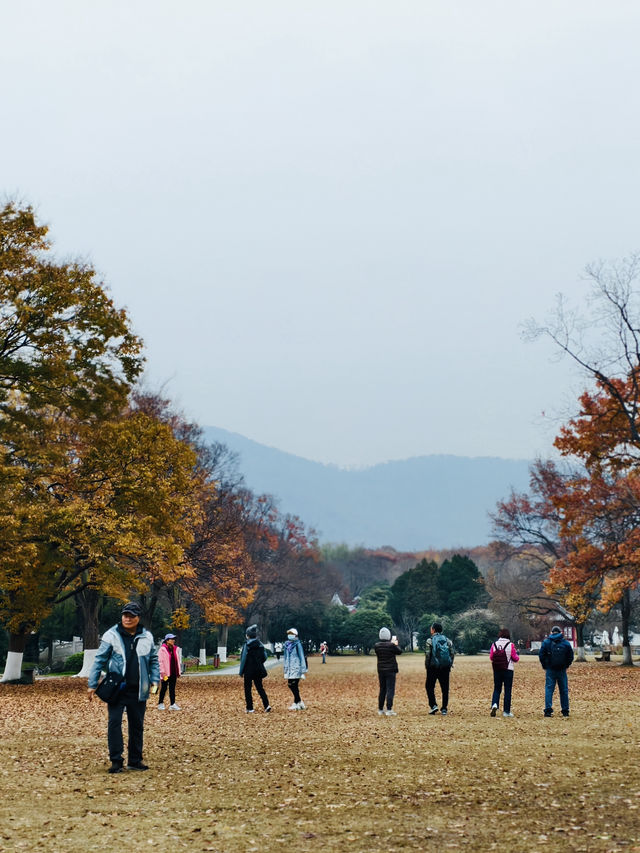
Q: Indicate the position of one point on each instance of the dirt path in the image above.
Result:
(334, 777)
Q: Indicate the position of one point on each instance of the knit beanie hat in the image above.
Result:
(385, 634)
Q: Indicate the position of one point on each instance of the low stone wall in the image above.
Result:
(62, 650)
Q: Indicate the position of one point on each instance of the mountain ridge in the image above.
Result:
(437, 501)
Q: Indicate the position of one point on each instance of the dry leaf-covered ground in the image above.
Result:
(333, 777)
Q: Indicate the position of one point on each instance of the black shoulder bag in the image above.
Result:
(111, 685)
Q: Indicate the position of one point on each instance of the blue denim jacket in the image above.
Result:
(111, 657)
(294, 665)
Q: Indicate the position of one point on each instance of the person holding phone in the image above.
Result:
(387, 651)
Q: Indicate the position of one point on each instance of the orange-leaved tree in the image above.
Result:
(600, 512)
(599, 508)
(530, 530)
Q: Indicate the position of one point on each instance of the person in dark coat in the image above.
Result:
(252, 668)
(438, 660)
(387, 651)
(556, 656)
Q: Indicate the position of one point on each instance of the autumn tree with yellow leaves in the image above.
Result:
(67, 356)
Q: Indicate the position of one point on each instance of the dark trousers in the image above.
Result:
(559, 677)
(292, 684)
(440, 675)
(257, 680)
(135, 723)
(502, 678)
(171, 684)
(387, 681)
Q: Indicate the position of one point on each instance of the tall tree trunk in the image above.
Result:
(626, 618)
(150, 602)
(89, 604)
(581, 657)
(223, 635)
(13, 666)
(203, 649)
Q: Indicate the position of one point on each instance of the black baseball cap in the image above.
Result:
(132, 607)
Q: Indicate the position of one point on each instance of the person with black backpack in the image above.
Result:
(556, 656)
(438, 661)
(503, 655)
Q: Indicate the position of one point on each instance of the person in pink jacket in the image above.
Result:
(170, 660)
(503, 655)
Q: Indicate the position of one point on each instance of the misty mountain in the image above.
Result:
(419, 503)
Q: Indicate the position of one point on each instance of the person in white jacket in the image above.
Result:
(294, 666)
(503, 654)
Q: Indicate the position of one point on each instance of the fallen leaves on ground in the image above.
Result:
(336, 776)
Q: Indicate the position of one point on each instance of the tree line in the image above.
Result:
(106, 491)
(452, 592)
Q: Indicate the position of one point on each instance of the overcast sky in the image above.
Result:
(329, 219)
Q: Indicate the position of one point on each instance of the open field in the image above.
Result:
(334, 777)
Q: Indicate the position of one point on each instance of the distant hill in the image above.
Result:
(419, 503)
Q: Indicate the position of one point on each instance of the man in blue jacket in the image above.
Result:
(127, 649)
(556, 656)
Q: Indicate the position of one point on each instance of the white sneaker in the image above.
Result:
(381, 713)
(301, 705)
(391, 714)
(294, 707)
(507, 714)
(175, 707)
(161, 706)
(250, 711)
(494, 709)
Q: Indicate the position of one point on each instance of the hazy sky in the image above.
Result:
(328, 219)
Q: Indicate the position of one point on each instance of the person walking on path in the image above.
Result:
(438, 660)
(294, 666)
(170, 660)
(503, 655)
(252, 668)
(128, 650)
(387, 651)
(277, 648)
(324, 648)
(556, 656)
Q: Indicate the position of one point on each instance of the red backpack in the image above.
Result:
(500, 659)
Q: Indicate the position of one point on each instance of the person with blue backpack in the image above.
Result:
(556, 656)
(439, 655)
